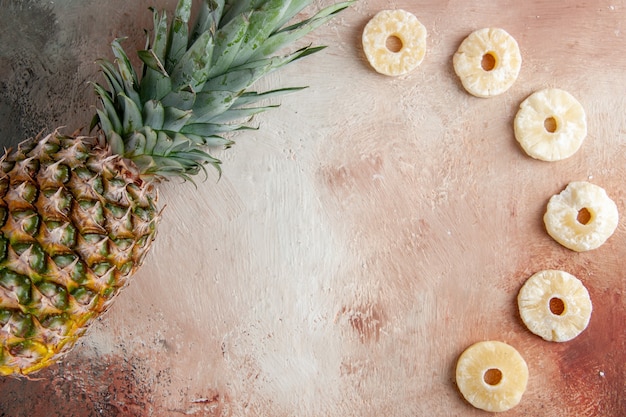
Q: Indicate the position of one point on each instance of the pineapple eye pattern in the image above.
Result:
(78, 214)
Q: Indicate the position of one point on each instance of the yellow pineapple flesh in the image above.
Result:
(394, 42)
(550, 125)
(554, 305)
(492, 376)
(488, 62)
(582, 217)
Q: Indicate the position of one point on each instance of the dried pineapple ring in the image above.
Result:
(394, 42)
(488, 62)
(582, 217)
(550, 125)
(554, 305)
(492, 376)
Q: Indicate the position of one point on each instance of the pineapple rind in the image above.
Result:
(75, 225)
(78, 215)
(534, 305)
(476, 360)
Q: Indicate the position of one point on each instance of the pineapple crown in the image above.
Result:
(195, 84)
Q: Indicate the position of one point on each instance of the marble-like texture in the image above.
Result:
(366, 234)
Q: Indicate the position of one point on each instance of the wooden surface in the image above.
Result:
(371, 230)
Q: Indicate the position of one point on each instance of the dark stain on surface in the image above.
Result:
(36, 70)
(592, 366)
(48, 53)
(367, 321)
(108, 386)
(591, 378)
(216, 404)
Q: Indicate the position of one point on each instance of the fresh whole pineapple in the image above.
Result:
(78, 214)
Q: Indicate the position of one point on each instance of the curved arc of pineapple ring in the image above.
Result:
(550, 125)
(582, 217)
(407, 29)
(554, 305)
(480, 46)
(476, 385)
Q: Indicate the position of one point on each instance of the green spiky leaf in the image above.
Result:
(109, 109)
(126, 72)
(132, 120)
(154, 114)
(193, 69)
(262, 24)
(179, 33)
(195, 87)
(227, 45)
(290, 34)
(175, 119)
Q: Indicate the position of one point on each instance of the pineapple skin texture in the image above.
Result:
(77, 216)
(75, 224)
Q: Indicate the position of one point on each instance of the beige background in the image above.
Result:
(371, 230)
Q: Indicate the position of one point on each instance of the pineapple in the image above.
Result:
(78, 214)
(394, 42)
(554, 305)
(582, 217)
(492, 376)
(550, 125)
(488, 62)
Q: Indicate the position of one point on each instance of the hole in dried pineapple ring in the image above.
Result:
(584, 216)
(394, 44)
(557, 306)
(550, 124)
(492, 376)
(488, 63)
